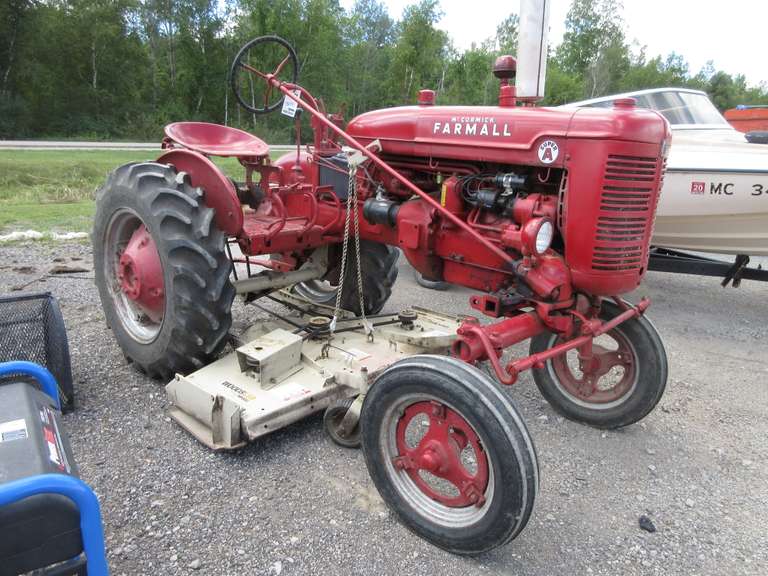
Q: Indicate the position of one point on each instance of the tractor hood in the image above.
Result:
(501, 134)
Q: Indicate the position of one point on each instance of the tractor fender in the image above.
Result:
(219, 191)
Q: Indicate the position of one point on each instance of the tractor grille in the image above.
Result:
(627, 206)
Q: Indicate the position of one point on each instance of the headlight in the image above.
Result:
(537, 236)
(544, 237)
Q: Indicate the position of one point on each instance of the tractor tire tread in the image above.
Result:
(379, 264)
(651, 380)
(196, 272)
(492, 413)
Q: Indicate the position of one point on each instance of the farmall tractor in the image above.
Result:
(546, 213)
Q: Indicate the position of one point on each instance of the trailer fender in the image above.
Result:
(219, 191)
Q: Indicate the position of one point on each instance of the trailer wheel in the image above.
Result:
(161, 269)
(449, 454)
(379, 266)
(332, 419)
(628, 382)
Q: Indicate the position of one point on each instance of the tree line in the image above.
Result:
(124, 68)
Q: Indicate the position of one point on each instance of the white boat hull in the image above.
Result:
(715, 197)
(727, 221)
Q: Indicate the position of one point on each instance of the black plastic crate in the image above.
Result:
(32, 328)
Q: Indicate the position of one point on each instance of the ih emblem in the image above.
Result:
(548, 151)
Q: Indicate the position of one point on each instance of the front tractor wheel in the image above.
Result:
(161, 269)
(449, 454)
(625, 381)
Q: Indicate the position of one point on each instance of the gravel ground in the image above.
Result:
(294, 503)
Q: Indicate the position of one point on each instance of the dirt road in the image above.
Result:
(294, 503)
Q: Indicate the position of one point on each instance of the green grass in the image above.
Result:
(70, 217)
(53, 190)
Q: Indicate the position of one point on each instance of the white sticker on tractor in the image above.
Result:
(289, 391)
(13, 430)
(289, 105)
(548, 151)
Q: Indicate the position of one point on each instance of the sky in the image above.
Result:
(736, 39)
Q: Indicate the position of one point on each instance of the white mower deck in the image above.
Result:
(281, 373)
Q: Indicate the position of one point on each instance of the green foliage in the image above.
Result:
(561, 87)
(723, 91)
(369, 38)
(468, 79)
(594, 47)
(419, 55)
(507, 34)
(591, 27)
(124, 68)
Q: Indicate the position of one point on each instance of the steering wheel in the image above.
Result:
(264, 52)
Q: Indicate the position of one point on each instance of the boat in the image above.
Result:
(715, 193)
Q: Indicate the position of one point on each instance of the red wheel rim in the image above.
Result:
(599, 383)
(140, 273)
(438, 454)
(134, 274)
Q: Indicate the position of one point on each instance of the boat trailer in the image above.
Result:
(668, 260)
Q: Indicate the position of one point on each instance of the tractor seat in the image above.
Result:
(216, 140)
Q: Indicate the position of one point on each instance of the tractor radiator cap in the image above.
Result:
(426, 98)
(626, 103)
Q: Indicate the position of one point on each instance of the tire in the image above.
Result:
(639, 388)
(332, 418)
(198, 295)
(379, 264)
(471, 407)
(431, 284)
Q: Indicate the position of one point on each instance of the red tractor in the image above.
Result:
(547, 213)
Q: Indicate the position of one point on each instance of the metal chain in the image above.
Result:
(342, 272)
(351, 213)
(356, 215)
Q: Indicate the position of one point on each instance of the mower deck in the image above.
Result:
(282, 373)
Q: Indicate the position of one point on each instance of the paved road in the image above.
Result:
(293, 503)
(71, 145)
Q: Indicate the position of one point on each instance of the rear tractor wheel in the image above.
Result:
(161, 269)
(378, 263)
(625, 382)
(449, 454)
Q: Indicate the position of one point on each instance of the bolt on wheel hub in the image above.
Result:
(607, 376)
(140, 273)
(440, 452)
